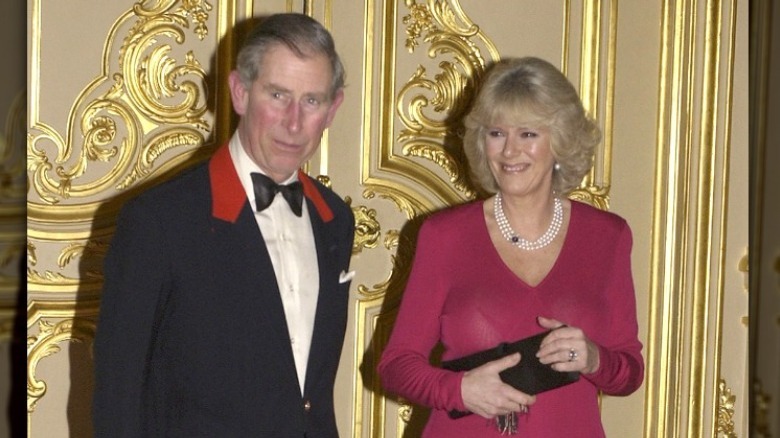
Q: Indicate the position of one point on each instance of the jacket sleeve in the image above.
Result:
(134, 285)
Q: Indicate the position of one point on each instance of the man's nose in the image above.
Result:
(293, 117)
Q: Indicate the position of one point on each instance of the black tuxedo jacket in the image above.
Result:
(192, 339)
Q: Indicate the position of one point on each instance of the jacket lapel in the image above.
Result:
(315, 198)
(327, 320)
(227, 193)
(230, 205)
(237, 226)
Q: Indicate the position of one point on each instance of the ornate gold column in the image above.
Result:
(690, 214)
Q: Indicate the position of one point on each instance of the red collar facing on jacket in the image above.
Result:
(228, 196)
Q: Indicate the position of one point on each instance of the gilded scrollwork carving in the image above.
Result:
(99, 133)
(430, 109)
(405, 410)
(68, 254)
(418, 21)
(593, 195)
(49, 278)
(725, 421)
(75, 250)
(152, 103)
(198, 9)
(392, 238)
(145, 113)
(32, 256)
(378, 290)
(392, 285)
(404, 204)
(156, 146)
(367, 228)
(45, 344)
(325, 180)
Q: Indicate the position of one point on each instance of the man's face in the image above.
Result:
(285, 110)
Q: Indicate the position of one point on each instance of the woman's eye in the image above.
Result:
(495, 133)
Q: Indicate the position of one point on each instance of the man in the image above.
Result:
(221, 316)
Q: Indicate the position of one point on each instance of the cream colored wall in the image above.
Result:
(666, 80)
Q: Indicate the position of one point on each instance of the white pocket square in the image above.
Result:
(346, 276)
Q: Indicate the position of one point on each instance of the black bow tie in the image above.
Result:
(266, 189)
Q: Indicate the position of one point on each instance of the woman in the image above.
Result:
(524, 261)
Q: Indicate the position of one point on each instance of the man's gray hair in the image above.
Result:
(300, 33)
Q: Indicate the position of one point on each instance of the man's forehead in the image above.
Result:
(283, 69)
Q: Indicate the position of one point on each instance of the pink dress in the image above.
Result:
(462, 295)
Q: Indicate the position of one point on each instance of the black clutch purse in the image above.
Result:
(529, 376)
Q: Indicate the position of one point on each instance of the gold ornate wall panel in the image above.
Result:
(144, 111)
(697, 291)
(125, 95)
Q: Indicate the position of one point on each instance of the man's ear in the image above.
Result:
(338, 97)
(239, 95)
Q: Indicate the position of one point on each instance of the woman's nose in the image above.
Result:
(512, 146)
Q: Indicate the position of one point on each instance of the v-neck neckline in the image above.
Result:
(561, 253)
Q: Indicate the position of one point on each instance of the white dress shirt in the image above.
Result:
(290, 243)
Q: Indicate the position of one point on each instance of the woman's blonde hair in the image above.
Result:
(533, 92)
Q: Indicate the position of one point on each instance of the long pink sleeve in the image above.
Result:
(405, 368)
(621, 368)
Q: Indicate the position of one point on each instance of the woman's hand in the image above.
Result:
(567, 348)
(486, 395)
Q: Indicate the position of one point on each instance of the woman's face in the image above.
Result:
(520, 158)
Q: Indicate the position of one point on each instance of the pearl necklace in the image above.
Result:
(527, 245)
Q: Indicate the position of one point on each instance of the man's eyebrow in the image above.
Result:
(275, 87)
(320, 95)
(323, 95)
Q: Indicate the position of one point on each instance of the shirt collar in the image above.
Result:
(245, 166)
(227, 181)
